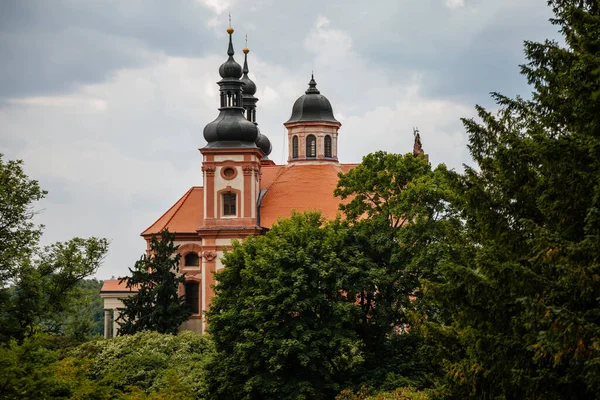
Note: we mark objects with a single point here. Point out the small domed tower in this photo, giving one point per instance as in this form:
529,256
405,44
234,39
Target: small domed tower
312,128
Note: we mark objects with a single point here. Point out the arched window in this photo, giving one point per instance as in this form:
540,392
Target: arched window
192,260
311,146
192,296
328,146
229,203
295,147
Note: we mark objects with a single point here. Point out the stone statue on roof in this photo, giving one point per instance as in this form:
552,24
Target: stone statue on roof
418,146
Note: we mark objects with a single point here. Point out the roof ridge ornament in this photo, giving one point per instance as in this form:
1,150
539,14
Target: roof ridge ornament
417,146
230,69
230,31
246,50
312,85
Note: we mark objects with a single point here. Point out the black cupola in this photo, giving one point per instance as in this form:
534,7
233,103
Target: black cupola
231,128
248,90
312,106
249,101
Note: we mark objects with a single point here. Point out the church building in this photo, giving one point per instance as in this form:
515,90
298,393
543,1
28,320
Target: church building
243,191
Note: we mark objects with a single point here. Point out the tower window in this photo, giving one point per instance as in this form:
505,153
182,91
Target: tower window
295,147
191,260
311,146
229,200
229,172
192,296
328,146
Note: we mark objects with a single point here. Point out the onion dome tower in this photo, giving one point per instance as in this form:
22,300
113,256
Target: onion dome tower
230,128
312,128
231,164
249,103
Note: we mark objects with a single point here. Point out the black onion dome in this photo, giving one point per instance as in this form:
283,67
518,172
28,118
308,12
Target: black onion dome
230,68
312,106
263,143
249,88
231,126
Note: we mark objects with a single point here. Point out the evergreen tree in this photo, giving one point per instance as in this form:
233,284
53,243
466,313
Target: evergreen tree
156,306
525,311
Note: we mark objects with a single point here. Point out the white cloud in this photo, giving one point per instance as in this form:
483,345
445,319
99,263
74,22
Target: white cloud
116,155
218,6
455,3
323,40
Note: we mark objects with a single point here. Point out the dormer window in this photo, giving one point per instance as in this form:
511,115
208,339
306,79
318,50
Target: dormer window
295,147
328,146
311,146
229,204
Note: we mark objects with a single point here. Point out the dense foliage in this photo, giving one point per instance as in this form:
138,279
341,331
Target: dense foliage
147,365
525,311
313,307
399,218
281,319
157,305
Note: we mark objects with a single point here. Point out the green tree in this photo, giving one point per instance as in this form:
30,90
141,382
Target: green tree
84,316
18,234
525,315
400,216
28,371
150,361
282,318
45,287
36,285
156,306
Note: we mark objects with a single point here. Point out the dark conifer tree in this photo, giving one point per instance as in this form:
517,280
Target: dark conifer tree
157,305
526,311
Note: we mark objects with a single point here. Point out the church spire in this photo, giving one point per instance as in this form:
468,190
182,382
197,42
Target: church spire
249,88
231,128
249,100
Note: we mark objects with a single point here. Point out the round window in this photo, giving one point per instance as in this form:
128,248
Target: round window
228,172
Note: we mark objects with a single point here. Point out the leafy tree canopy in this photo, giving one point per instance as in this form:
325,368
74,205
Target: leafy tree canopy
18,234
46,286
282,318
36,284
400,217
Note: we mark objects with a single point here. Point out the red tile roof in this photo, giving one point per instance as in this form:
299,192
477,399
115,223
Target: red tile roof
185,216
113,285
298,186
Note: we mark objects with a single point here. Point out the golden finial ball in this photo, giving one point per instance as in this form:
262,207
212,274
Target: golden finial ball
230,30
246,50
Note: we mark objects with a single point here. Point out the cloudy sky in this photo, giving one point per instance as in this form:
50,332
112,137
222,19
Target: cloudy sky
106,100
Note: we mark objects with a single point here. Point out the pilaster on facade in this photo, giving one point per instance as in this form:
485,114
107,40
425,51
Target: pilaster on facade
231,188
